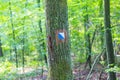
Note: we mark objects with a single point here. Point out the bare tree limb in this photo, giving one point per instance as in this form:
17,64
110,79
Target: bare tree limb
96,60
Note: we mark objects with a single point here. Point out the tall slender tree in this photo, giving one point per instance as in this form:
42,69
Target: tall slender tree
102,38
42,56
108,37
87,37
42,45
23,40
1,52
59,58
101,26
13,33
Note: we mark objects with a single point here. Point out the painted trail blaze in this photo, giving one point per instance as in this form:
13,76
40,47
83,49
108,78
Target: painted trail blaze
61,36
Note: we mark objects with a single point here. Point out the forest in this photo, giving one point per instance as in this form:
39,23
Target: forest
59,40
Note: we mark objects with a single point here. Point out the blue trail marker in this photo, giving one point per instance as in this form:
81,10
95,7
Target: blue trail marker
61,36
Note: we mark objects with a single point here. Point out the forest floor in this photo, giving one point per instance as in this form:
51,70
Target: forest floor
79,74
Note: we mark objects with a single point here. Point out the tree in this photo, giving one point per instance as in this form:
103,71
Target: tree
1,52
41,40
108,37
13,34
59,58
87,37
102,38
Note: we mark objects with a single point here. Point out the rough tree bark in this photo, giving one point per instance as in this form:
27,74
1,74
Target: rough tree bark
59,59
108,37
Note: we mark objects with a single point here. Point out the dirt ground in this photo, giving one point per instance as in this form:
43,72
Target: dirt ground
79,74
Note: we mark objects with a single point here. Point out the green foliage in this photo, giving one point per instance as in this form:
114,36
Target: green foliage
25,17
7,70
114,69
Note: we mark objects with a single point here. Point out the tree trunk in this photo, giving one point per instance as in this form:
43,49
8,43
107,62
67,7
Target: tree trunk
13,33
42,45
102,38
87,39
59,58
108,36
1,52
101,26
